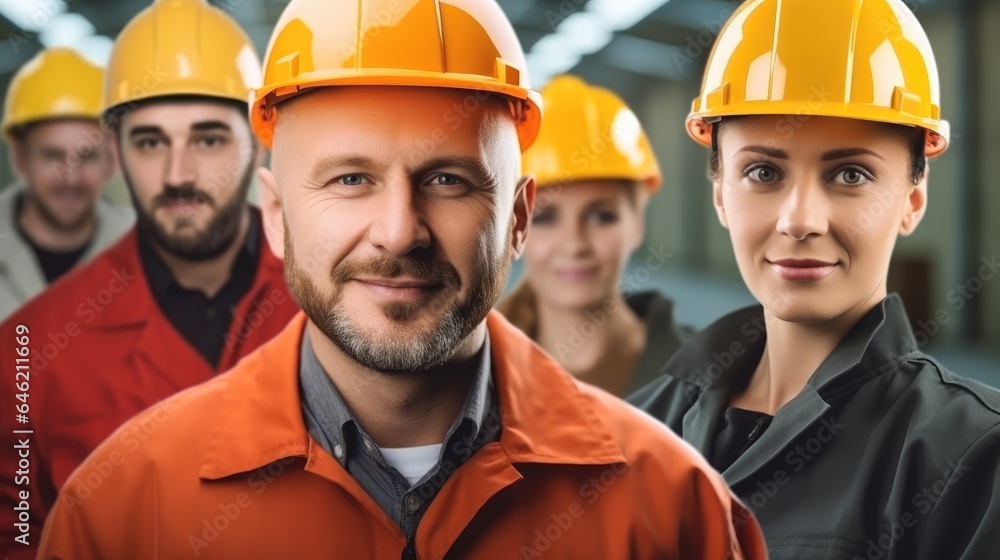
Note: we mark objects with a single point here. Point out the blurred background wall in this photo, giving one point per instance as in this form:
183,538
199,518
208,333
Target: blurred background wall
652,52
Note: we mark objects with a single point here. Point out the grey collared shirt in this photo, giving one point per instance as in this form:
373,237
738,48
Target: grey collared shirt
332,425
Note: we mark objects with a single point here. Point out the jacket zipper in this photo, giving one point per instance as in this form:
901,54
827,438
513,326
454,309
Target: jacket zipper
409,552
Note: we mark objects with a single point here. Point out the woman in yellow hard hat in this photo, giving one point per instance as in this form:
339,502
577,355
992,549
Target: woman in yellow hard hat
818,405
595,171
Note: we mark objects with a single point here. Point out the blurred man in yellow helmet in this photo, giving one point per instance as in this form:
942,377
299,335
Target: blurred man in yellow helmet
185,294
818,406
54,218
595,171
398,417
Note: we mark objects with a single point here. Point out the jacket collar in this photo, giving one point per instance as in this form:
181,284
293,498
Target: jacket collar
135,304
17,261
883,336
877,343
121,263
18,266
112,222
259,419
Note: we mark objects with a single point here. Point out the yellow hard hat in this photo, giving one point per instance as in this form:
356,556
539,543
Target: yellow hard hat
589,134
181,47
463,44
858,59
56,83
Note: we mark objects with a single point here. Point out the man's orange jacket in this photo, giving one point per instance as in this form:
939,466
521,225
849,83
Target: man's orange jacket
100,352
227,470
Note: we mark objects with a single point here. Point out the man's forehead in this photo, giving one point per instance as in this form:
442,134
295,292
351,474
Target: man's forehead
426,122
61,127
448,109
777,127
179,115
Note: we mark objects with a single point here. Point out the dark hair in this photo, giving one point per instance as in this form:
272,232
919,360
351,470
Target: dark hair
113,117
912,135
20,132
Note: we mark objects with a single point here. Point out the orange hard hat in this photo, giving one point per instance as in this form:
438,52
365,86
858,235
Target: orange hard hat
462,44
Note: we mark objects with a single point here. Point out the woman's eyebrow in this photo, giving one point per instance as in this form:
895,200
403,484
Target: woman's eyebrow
848,152
772,152
599,202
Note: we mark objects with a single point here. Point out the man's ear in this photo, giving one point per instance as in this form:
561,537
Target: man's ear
720,208
117,165
270,209
259,154
114,149
19,158
916,207
524,207
109,159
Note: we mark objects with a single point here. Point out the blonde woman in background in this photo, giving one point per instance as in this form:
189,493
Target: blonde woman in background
595,173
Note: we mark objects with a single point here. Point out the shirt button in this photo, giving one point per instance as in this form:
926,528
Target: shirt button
338,452
210,312
412,503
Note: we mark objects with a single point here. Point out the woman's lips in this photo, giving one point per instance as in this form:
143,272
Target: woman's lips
576,274
802,270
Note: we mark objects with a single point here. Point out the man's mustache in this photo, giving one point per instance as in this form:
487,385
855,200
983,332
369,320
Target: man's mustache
429,270
186,193
74,189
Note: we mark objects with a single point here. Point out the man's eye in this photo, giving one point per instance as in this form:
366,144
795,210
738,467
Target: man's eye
446,180
211,141
351,180
148,143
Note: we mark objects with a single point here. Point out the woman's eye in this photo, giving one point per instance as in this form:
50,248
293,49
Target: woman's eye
543,218
763,174
603,217
852,176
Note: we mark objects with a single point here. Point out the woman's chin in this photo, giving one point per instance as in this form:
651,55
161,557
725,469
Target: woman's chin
579,298
805,308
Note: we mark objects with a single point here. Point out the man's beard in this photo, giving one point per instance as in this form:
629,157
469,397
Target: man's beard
220,234
52,219
388,351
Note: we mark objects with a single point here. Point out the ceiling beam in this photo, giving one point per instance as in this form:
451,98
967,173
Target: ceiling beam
649,58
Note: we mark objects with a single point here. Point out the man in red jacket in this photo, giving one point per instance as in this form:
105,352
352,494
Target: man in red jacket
187,293
398,417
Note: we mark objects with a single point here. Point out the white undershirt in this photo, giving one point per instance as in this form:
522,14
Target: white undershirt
412,462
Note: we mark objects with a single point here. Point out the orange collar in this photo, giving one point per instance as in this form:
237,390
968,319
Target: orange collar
546,416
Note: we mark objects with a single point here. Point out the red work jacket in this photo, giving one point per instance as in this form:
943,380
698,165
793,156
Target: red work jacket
227,470
100,352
